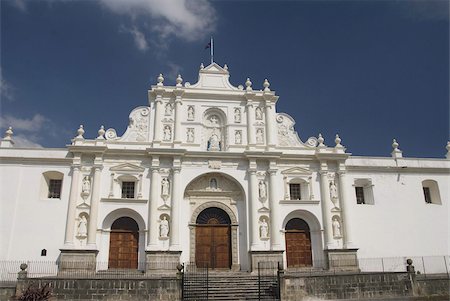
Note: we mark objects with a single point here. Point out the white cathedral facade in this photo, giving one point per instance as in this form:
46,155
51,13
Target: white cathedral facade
211,173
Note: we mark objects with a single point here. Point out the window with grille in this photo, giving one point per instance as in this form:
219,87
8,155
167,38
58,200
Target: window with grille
427,195
128,190
360,195
295,191
54,189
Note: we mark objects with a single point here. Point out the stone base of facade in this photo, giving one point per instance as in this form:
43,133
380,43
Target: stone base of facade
76,260
266,260
162,262
342,259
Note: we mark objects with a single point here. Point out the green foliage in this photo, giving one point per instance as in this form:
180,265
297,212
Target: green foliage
34,293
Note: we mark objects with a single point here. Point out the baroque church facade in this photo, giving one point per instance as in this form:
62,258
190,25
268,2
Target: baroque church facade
211,173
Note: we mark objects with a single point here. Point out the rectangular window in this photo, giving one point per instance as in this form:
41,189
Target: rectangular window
427,195
128,190
295,191
54,189
359,195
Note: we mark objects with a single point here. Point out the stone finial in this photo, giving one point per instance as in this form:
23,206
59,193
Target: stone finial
396,152
101,133
179,80
160,80
80,132
225,67
448,150
338,140
8,134
248,84
266,85
202,66
320,140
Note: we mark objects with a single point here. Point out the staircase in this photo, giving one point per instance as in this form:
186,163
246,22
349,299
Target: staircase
235,286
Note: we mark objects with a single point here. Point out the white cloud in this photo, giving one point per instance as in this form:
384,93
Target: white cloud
19,4
172,71
139,38
34,124
423,10
22,141
6,89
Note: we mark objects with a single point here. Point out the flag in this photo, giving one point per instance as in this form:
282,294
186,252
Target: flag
208,46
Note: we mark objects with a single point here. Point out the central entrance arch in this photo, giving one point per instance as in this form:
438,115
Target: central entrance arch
213,239
123,244
298,243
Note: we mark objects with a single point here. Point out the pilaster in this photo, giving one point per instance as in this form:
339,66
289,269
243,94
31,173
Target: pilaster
275,216
176,200
326,205
346,212
158,117
153,205
178,104
250,121
72,207
95,200
253,205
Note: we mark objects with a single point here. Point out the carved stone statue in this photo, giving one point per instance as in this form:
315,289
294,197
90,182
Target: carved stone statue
237,115
82,227
167,133
164,228
336,228
238,137
258,113
262,190
165,187
190,135
214,142
213,183
191,113
264,229
86,186
259,136
168,111
333,191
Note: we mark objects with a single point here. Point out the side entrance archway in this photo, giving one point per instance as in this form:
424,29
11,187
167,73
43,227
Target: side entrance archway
298,243
123,244
213,239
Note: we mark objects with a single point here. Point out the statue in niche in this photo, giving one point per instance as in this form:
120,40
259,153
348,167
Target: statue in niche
214,120
167,133
190,135
259,136
191,113
213,183
336,228
262,190
164,228
258,113
82,227
168,111
237,115
264,229
214,142
86,186
238,137
165,187
333,191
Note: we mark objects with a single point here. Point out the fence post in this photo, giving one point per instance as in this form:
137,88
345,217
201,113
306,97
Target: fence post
424,271
446,268
259,281
382,264
207,281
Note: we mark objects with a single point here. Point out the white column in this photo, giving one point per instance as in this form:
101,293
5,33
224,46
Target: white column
153,205
72,208
157,124
175,218
345,210
253,204
178,117
250,122
275,225
270,124
326,208
95,200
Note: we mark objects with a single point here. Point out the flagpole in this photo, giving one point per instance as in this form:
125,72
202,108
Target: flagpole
212,50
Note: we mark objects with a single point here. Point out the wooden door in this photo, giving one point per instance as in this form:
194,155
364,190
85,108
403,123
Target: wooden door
298,249
213,246
123,245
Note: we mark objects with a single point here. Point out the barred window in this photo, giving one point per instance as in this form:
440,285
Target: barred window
54,189
427,195
360,195
128,190
295,191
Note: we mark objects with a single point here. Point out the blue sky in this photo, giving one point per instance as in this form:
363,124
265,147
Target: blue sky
368,70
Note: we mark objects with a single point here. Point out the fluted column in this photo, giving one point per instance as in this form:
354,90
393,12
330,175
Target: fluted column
175,218
270,123
275,228
153,205
250,123
345,210
72,207
178,117
95,200
326,207
157,124
253,204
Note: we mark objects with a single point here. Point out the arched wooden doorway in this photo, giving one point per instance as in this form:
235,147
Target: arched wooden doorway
213,239
298,243
123,244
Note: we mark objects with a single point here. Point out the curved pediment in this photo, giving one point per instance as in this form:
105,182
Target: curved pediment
213,184
138,127
214,77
